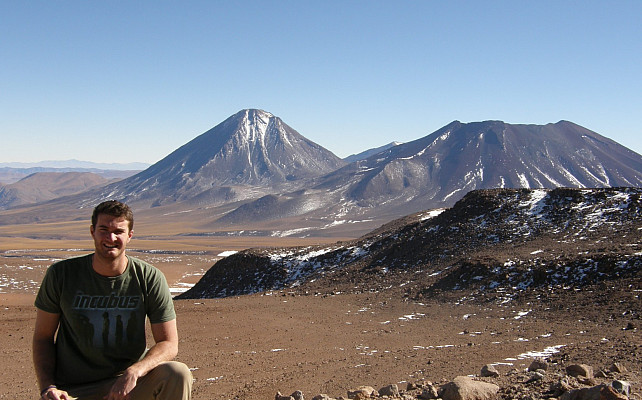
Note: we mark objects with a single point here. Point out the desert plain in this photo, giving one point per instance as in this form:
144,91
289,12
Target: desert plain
250,347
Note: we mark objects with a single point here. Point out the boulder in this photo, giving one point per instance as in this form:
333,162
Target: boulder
538,363
464,388
390,390
322,397
279,396
600,392
429,391
618,367
362,392
622,387
489,371
580,370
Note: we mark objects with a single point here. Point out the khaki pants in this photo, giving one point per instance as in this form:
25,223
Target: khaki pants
168,381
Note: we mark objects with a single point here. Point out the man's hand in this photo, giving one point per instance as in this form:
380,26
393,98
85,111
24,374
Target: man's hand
55,394
166,346
123,386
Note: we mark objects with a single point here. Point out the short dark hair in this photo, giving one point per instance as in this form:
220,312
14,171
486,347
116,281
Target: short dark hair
114,208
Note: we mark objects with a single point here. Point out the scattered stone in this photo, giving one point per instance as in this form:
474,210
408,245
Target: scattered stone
560,387
601,374
600,392
279,396
362,392
390,390
538,364
535,376
429,392
622,387
464,388
577,384
618,367
322,397
580,370
489,371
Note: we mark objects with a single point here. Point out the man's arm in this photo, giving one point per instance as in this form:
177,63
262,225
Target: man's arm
44,350
165,349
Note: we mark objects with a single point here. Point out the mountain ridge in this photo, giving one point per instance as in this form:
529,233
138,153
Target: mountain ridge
437,170
253,170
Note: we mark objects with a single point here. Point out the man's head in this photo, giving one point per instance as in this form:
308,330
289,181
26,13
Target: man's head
113,208
111,228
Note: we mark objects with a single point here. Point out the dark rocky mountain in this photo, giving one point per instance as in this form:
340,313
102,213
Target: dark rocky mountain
370,152
492,245
439,169
43,186
251,152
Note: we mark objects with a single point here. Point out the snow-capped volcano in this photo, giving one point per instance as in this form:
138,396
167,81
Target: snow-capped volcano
250,148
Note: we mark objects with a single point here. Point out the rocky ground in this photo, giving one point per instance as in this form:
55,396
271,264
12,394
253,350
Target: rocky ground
252,347
501,280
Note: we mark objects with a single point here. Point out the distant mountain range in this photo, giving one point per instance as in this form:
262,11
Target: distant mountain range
253,170
13,172
76,164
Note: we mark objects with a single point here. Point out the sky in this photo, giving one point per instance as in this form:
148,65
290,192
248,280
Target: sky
131,81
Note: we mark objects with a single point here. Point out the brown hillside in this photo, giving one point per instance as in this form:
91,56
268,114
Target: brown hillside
43,186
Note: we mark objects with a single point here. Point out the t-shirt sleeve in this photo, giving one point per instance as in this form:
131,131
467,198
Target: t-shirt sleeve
48,297
160,306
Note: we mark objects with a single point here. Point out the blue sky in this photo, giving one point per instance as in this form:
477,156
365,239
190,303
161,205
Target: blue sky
125,81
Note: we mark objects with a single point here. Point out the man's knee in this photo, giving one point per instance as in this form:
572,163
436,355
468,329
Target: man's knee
170,380
173,370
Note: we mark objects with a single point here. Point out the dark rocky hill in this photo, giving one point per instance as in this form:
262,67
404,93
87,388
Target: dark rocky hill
493,245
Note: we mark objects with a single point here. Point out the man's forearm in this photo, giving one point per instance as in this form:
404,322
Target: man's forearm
162,351
159,353
44,362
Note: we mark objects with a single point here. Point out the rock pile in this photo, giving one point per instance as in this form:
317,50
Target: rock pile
541,380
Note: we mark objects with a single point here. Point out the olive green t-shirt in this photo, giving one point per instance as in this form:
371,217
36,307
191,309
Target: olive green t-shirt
102,319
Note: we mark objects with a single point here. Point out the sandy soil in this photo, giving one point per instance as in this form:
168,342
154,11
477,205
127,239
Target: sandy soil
253,346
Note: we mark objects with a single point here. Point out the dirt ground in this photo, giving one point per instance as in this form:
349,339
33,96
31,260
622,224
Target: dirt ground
253,346
250,347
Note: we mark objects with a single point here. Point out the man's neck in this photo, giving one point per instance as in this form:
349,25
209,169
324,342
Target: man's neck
109,267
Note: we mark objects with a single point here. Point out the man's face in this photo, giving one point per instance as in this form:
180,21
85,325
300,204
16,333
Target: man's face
111,236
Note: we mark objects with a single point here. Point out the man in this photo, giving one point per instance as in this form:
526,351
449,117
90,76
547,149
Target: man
98,304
